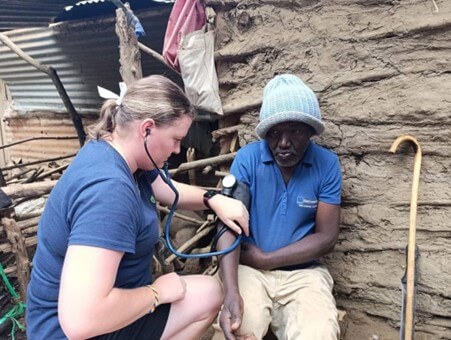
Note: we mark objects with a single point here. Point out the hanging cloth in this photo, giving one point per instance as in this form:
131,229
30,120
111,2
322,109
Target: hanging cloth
186,16
197,64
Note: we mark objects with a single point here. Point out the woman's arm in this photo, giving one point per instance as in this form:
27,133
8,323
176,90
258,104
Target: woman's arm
89,305
231,211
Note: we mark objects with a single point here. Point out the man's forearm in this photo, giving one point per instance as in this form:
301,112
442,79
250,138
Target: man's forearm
228,263
308,249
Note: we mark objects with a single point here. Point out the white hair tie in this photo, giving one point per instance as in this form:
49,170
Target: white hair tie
107,94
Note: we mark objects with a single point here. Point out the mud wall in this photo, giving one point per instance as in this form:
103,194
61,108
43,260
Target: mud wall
380,69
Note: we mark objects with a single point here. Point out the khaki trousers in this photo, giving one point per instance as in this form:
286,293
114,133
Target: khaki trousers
297,305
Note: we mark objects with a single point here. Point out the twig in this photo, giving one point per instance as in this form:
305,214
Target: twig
35,138
156,56
36,162
50,172
435,6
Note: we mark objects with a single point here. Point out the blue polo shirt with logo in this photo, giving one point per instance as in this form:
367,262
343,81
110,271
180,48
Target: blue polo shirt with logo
283,214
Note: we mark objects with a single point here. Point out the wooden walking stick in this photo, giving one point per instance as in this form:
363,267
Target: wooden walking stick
407,328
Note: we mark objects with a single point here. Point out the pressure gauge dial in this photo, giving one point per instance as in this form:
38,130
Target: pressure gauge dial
228,185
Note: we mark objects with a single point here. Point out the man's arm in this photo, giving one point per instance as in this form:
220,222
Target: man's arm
311,247
232,310
231,211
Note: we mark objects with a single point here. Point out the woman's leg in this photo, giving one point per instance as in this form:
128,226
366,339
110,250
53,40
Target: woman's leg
190,317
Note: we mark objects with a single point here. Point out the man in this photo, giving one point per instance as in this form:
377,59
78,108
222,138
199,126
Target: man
275,279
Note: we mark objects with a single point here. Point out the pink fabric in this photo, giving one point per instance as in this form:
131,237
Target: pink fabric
186,16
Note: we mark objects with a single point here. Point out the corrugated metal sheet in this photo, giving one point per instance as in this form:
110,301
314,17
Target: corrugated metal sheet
85,54
16,14
41,125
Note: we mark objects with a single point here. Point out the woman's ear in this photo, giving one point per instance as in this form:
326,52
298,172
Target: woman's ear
146,127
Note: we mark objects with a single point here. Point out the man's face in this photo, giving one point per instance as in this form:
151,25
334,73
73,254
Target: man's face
288,142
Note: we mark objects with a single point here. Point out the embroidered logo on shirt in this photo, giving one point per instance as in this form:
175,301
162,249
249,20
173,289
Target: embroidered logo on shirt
306,203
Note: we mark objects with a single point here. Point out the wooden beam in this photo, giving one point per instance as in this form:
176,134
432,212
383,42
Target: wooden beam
130,57
29,189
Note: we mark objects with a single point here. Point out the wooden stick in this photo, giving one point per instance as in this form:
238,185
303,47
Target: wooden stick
51,172
158,57
29,189
18,175
19,249
239,108
191,157
36,162
203,162
29,241
191,241
409,326
221,173
226,131
181,216
36,138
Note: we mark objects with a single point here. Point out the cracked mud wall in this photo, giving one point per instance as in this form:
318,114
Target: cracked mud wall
380,69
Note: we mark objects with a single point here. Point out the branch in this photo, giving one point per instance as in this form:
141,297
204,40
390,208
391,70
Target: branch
203,162
34,138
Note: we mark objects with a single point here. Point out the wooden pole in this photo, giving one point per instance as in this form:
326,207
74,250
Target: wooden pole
17,241
130,57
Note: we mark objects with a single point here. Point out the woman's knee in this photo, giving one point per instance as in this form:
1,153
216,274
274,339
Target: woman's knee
215,294
207,295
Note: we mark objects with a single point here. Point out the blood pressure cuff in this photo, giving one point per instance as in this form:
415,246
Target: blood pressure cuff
242,193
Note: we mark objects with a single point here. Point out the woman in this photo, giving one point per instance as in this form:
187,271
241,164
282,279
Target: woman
91,273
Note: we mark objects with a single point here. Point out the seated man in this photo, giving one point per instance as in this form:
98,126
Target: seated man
275,279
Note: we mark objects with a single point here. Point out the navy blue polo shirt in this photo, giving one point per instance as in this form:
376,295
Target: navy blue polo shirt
283,214
95,203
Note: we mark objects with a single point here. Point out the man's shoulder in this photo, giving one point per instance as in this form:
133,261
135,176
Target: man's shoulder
251,147
250,150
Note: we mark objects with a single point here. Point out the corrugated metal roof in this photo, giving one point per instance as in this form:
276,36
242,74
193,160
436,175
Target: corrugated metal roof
85,54
16,14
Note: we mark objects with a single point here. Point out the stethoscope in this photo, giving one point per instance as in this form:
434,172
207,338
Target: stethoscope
164,174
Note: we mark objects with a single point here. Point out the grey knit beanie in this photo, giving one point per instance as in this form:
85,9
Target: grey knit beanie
286,98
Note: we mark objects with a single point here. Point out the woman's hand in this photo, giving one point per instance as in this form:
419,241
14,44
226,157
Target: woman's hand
232,212
171,287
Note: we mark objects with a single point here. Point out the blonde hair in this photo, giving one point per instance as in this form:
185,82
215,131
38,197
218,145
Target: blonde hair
154,97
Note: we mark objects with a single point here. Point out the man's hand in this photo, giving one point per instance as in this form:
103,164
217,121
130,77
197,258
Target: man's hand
231,315
253,256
